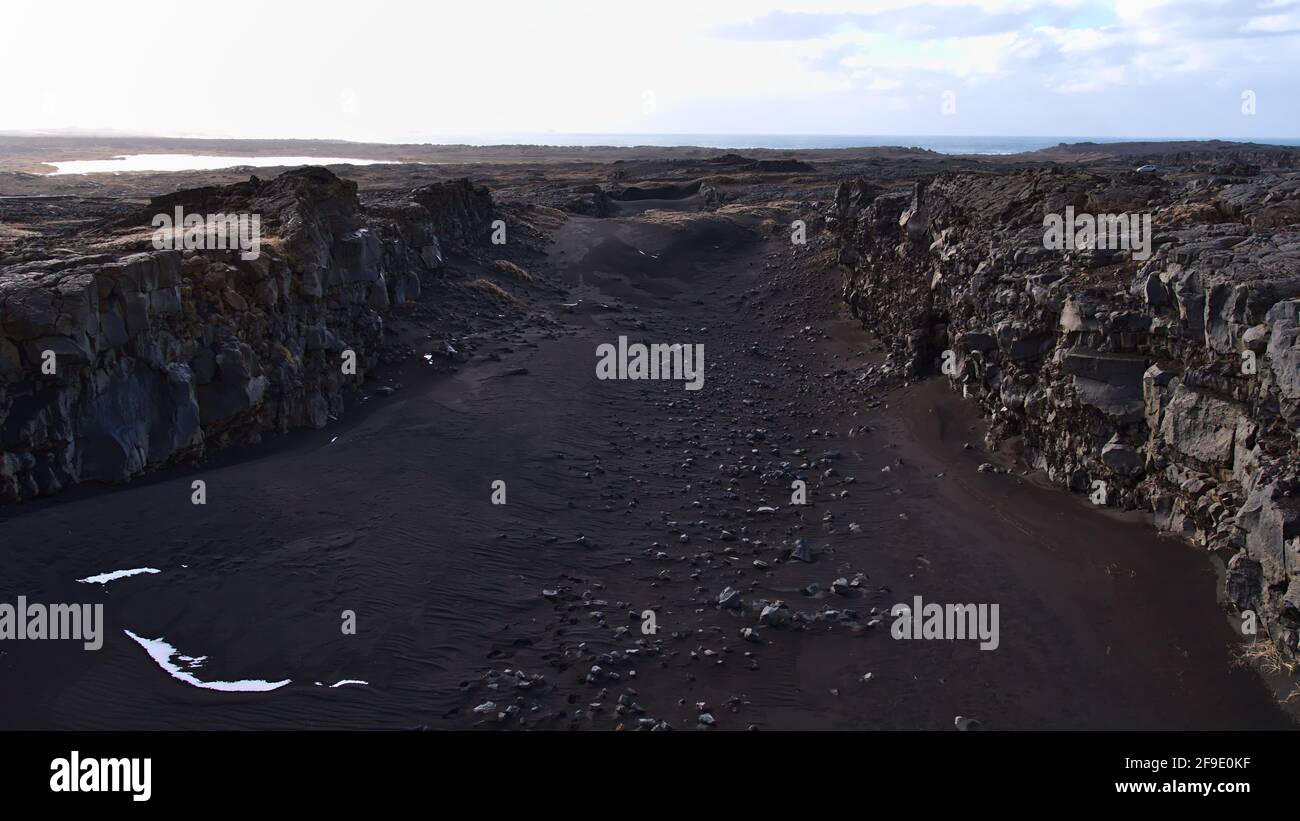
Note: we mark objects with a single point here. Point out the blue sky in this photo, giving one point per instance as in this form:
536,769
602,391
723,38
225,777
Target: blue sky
403,70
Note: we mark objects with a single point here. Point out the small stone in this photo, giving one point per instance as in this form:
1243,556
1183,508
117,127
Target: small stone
964,724
774,615
729,598
801,551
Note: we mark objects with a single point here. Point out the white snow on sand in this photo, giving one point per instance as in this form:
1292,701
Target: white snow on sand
114,575
163,653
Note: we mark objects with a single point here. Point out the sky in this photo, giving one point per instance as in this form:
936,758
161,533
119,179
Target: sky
425,69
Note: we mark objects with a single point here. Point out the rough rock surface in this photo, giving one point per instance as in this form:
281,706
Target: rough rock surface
1174,381
162,355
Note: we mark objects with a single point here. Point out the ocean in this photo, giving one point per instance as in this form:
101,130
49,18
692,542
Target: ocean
941,144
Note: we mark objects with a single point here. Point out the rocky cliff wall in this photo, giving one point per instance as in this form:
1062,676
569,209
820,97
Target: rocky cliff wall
122,358
1170,384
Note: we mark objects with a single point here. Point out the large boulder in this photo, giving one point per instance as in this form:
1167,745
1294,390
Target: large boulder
1201,427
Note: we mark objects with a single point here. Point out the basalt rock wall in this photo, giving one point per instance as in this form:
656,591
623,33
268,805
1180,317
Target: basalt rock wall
1169,384
116,362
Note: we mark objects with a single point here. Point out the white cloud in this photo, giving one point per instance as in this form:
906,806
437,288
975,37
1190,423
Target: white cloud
1274,23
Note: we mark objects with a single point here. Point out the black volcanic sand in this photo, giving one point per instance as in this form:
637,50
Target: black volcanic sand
389,514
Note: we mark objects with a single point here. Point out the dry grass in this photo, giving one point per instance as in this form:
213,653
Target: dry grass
544,218
1264,654
510,269
491,289
776,209
678,219
13,232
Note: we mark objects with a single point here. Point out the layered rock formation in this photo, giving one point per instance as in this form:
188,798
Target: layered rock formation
121,358
1170,384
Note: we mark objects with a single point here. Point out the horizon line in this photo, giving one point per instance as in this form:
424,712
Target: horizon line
109,134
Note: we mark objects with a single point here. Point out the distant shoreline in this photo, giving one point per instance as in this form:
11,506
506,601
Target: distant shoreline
37,154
